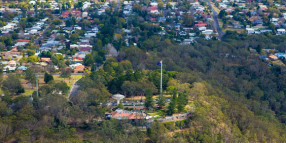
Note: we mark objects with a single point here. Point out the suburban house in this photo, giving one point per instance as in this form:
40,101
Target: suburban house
74,65
280,55
121,114
153,10
281,31
10,66
79,69
75,13
21,42
47,60
21,69
273,57
12,63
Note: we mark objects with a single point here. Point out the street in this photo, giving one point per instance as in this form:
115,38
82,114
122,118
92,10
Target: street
215,19
74,89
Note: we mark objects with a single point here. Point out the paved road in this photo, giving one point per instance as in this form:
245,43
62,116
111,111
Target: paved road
42,34
215,18
118,5
73,90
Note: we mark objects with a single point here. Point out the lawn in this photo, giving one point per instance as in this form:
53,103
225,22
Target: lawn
232,29
70,81
29,89
278,62
156,113
137,98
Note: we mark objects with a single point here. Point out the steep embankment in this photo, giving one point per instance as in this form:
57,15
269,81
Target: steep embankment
218,118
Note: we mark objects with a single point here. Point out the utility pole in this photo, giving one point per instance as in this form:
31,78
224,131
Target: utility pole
161,81
37,83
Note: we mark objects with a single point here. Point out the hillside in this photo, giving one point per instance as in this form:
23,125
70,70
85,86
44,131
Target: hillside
223,81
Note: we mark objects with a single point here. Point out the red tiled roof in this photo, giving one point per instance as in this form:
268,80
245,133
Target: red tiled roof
14,50
152,8
126,115
23,40
46,59
79,58
79,68
75,13
200,25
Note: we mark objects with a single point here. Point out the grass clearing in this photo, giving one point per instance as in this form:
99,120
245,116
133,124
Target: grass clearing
157,113
232,29
29,89
136,98
217,10
278,62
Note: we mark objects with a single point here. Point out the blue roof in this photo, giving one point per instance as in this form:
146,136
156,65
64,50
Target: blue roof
22,68
262,57
280,55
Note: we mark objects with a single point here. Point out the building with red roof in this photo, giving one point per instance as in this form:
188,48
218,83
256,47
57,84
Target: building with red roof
153,9
79,68
14,49
75,13
23,40
78,58
201,25
46,60
121,114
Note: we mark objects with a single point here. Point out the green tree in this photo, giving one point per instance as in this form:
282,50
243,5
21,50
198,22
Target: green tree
30,52
12,84
1,75
182,102
172,105
57,21
149,99
222,14
120,105
88,60
66,72
48,77
74,38
30,76
156,132
68,62
161,101
188,20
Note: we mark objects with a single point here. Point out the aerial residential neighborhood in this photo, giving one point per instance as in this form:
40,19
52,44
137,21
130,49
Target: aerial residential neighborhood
72,32
146,71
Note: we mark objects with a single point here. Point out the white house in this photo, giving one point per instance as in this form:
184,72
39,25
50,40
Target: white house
84,14
86,5
73,66
281,31
207,32
90,34
33,31
250,30
202,28
153,3
9,68
32,2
